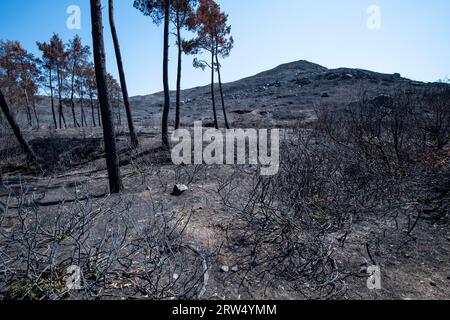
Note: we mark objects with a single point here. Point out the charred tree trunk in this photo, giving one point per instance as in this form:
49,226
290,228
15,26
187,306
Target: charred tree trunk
99,116
227,125
180,52
166,110
72,95
119,106
112,161
35,114
27,100
123,82
27,103
12,122
52,99
83,114
62,119
91,100
213,96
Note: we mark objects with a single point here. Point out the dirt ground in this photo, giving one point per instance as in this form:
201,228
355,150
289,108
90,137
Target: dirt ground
418,269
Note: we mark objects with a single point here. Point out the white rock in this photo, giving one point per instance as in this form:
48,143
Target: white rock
225,269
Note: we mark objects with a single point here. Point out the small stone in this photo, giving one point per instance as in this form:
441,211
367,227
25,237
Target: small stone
235,269
348,76
175,276
225,269
363,268
433,284
179,189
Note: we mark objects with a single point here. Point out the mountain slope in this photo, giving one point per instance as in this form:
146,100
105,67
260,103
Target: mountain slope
277,97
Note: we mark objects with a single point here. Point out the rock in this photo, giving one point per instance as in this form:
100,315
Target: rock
179,189
175,276
448,239
433,284
225,269
235,269
347,76
363,268
448,277
325,95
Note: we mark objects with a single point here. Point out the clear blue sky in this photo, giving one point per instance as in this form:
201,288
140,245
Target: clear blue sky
414,39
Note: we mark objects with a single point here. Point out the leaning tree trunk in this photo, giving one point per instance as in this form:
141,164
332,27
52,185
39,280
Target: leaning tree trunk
123,82
221,93
213,96
166,110
12,122
112,161
180,52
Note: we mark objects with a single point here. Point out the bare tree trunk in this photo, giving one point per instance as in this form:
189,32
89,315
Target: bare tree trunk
213,97
35,114
99,117
166,110
221,93
123,82
92,109
119,106
52,99
27,103
60,110
83,115
72,102
112,161
180,52
27,100
12,122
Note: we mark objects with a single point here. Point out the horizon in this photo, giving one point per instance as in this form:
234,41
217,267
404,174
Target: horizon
410,40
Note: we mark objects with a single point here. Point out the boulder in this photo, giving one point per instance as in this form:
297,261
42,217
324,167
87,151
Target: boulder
179,189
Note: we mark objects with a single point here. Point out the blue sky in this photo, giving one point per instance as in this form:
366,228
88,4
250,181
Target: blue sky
414,39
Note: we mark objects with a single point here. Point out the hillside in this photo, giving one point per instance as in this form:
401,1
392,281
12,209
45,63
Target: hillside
279,96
